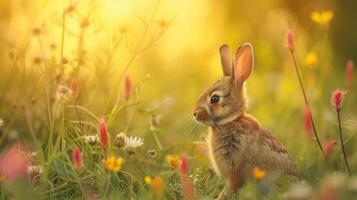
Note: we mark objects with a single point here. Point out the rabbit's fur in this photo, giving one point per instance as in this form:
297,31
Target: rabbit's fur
236,140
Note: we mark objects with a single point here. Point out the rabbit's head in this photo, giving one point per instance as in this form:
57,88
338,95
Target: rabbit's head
224,100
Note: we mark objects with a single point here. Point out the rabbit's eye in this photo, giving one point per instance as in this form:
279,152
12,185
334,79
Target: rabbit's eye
214,99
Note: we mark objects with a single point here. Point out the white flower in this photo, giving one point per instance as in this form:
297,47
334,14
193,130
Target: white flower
91,139
120,139
34,170
133,142
63,93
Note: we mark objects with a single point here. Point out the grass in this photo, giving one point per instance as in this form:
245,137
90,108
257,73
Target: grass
43,112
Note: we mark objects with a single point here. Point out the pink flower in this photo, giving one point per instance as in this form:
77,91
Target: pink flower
103,133
14,163
328,147
77,158
337,98
127,87
349,73
290,40
188,190
308,121
74,88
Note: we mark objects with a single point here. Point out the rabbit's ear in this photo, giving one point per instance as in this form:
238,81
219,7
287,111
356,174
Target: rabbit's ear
243,63
226,61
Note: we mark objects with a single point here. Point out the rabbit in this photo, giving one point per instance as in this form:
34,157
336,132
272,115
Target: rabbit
237,142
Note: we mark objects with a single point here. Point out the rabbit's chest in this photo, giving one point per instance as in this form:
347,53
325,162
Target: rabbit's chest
230,149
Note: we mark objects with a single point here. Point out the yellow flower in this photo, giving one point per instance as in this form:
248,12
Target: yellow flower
258,173
156,184
322,18
147,180
311,59
174,161
113,164
2,178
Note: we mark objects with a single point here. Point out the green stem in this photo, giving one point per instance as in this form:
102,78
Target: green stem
306,101
342,144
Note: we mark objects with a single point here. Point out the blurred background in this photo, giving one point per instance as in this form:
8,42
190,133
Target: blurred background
169,49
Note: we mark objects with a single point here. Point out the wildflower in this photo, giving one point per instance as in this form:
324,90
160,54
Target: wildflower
34,170
77,158
123,29
36,31
258,173
307,121
2,178
119,140
337,98
311,59
328,147
74,88
156,184
103,133
322,18
163,24
349,73
71,7
85,23
63,93
127,87
188,190
113,164
133,142
174,161
14,162
91,139
290,40
152,153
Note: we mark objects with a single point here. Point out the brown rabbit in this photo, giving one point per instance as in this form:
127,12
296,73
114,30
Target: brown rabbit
237,142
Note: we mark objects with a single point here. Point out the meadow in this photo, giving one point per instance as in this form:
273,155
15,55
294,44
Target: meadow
96,97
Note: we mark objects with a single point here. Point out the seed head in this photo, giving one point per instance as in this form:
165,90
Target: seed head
290,40
337,98
103,133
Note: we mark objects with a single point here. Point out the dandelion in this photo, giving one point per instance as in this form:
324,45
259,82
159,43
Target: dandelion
349,73
156,184
322,18
74,88
103,133
63,93
328,147
34,170
119,140
91,139
258,173
311,60
174,161
127,87
77,158
336,101
290,40
113,164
